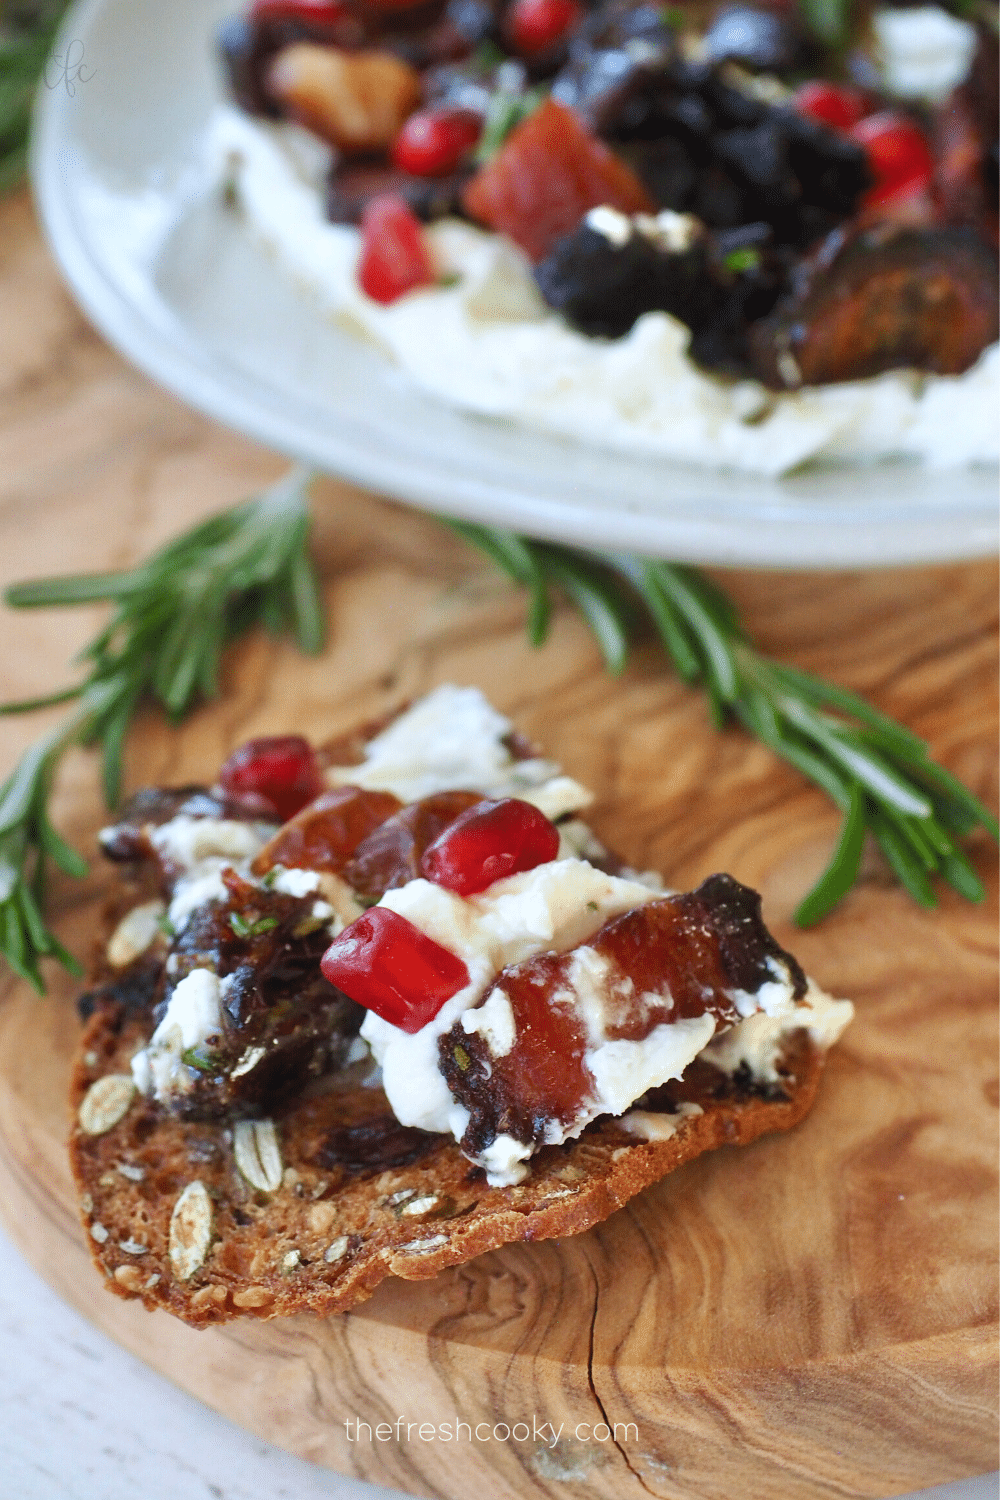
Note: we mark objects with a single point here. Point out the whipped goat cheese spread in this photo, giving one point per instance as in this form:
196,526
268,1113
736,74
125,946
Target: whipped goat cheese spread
487,343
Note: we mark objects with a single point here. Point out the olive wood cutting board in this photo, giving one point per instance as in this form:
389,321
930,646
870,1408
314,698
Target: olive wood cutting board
811,1316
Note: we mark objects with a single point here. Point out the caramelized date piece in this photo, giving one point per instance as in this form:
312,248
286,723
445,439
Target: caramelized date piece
324,835
373,1145
881,299
669,960
390,856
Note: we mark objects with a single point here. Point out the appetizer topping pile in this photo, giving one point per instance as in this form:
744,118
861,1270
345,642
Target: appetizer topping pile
689,161
514,982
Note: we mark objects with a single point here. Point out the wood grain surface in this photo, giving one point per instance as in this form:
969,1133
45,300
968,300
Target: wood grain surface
812,1316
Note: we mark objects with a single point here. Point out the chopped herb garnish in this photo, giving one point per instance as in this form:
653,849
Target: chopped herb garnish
742,260
461,1057
166,926
195,1058
245,929
506,109
308,925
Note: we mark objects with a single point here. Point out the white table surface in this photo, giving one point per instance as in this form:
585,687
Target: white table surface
82,1420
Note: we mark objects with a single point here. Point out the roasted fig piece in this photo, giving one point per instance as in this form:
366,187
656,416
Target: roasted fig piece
667,169
613,269
753,271
880,299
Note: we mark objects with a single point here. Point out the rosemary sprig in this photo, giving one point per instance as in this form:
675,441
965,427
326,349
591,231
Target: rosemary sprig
172,617
174,614
878,773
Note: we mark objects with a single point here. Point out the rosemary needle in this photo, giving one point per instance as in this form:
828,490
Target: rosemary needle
171,620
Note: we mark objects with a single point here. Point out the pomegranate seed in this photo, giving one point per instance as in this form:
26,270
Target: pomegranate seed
489,842
310,12
433,141
833,104
386,964
898,155
280,768
394,258
533,25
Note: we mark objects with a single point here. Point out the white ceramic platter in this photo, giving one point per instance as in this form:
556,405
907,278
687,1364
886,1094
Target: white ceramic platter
174,280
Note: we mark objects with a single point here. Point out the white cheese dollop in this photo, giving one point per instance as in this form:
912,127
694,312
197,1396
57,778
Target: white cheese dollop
192,1016
924,52
295,882
758,1040
187,841
452,738
201,848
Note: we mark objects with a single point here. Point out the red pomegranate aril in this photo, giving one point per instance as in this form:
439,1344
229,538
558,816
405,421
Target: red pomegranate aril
282,769
534,25
489,842
394,258
309,12
898,154
384,963
434,141
833,104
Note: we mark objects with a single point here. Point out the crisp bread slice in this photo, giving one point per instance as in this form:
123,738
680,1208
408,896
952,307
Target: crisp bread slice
354,1196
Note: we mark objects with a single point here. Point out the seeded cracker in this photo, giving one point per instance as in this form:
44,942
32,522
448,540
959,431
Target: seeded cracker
332,1230
311,1207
